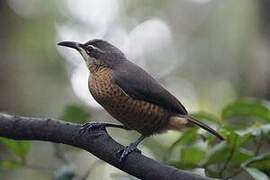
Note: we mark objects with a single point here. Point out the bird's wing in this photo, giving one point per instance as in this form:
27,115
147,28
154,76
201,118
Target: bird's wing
138,84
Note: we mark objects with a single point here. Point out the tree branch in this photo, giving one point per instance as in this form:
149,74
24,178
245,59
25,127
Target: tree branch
98,142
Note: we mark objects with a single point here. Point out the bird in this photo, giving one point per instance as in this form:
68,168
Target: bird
130,95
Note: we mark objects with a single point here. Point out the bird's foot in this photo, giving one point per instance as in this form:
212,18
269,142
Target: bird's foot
92,126
127,150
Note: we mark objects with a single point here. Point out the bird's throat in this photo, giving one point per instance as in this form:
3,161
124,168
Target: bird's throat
88,60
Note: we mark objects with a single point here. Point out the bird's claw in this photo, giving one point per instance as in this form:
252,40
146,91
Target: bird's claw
91,127
126,151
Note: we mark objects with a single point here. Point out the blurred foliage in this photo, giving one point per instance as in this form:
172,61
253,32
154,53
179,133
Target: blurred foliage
245,111
261,163
245,150
19,151
18,148
76,114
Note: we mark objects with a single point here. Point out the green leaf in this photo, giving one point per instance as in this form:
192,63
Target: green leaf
234,138
212,171
217,154
75,114
247,109
222,156
256,174
187,138
19,148
191,157
220,153
261,162
240,156
238,140
227,153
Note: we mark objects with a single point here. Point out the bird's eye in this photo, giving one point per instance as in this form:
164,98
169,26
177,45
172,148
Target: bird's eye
91,48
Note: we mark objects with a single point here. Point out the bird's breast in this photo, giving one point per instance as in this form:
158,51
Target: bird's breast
142,116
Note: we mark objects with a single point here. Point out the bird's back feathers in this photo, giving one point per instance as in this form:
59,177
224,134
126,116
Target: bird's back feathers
138,84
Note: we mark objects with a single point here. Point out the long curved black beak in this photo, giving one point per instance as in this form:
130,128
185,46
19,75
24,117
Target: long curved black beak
71,44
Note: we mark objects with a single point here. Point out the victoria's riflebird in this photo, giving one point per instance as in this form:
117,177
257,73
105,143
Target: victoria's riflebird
130,94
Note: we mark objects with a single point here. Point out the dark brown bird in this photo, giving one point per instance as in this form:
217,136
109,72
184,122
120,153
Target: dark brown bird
130,94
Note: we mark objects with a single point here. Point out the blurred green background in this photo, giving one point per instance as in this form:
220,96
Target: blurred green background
214,56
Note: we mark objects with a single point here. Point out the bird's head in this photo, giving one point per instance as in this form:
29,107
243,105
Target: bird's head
97,52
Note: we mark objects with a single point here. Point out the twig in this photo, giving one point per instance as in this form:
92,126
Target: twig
222,171
260,143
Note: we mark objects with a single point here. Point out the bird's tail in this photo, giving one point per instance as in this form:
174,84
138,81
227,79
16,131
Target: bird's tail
204,126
